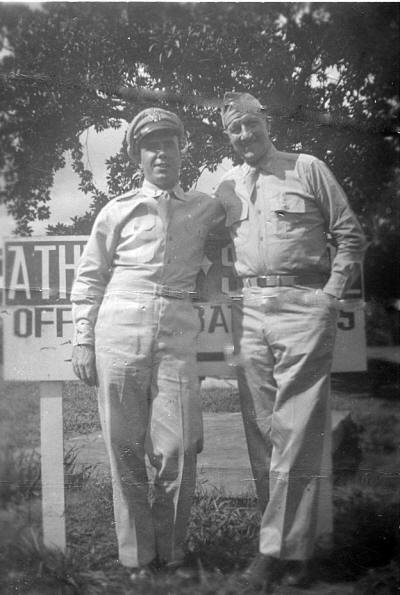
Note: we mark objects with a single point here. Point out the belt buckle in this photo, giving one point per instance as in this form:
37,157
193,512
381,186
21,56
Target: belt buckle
164,292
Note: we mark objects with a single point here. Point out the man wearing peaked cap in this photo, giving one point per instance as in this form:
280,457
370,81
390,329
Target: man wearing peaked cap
280,209
135,334
148,121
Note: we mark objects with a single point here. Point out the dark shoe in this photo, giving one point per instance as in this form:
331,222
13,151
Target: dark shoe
261,573
297,574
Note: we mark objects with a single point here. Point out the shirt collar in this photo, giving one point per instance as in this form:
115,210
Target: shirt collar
267,165
153,191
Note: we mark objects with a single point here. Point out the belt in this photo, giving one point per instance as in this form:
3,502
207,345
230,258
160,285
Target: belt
177,294
270,281
149,289
310,280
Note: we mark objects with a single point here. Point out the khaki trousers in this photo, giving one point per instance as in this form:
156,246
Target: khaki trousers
149,405
284,340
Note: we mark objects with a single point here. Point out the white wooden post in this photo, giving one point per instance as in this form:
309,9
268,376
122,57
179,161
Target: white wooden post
52,464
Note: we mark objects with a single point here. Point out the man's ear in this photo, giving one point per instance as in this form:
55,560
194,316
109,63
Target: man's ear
134,155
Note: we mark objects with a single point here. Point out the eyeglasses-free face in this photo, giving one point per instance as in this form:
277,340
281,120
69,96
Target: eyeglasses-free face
249,137
160,157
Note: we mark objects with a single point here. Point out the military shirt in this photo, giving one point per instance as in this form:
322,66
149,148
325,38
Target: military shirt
281,216
134,241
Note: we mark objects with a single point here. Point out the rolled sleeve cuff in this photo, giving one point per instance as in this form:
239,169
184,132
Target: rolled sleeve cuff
336,286
341,280
83,334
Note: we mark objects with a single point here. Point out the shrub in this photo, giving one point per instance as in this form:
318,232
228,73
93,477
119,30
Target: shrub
20,473
381,581
49,571
381,433
76,474
366,531
223,530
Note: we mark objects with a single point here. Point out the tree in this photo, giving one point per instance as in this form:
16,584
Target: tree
306,61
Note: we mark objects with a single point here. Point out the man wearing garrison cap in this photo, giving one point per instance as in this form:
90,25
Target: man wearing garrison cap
135,332
281,207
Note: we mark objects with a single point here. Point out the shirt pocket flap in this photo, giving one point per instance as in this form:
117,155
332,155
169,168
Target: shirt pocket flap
287,203
145,222
238,211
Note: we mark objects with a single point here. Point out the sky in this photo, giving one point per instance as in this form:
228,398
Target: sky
67,200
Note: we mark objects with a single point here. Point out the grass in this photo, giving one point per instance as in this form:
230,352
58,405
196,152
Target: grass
223,530
379,418
222,537
20,416
80,406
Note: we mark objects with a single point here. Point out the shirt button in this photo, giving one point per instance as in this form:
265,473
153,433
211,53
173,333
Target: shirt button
169,238
261,238
259,211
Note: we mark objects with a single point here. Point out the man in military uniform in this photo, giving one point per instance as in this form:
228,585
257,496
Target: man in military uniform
280,209
135,333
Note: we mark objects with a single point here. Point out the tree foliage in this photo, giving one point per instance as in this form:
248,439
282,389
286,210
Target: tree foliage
301,58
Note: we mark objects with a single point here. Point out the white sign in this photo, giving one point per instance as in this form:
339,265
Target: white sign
38,276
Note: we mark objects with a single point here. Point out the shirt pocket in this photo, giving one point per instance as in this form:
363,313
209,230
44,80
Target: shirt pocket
289,214
139,239
145,223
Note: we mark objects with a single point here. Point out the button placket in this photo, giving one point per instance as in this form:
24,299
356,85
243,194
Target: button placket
164,204
265,219
164,211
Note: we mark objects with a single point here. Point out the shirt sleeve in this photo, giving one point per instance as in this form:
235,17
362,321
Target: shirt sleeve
347,236
218,235
229,200
92,278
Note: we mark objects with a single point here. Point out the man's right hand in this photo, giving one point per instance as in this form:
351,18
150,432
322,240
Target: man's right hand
84,364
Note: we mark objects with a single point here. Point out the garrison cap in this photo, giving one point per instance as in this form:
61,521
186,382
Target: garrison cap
236,104
150,120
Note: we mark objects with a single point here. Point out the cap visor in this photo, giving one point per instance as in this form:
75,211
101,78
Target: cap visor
154,126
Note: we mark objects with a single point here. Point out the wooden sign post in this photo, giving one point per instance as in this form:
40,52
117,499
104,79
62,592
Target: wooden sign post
52,465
